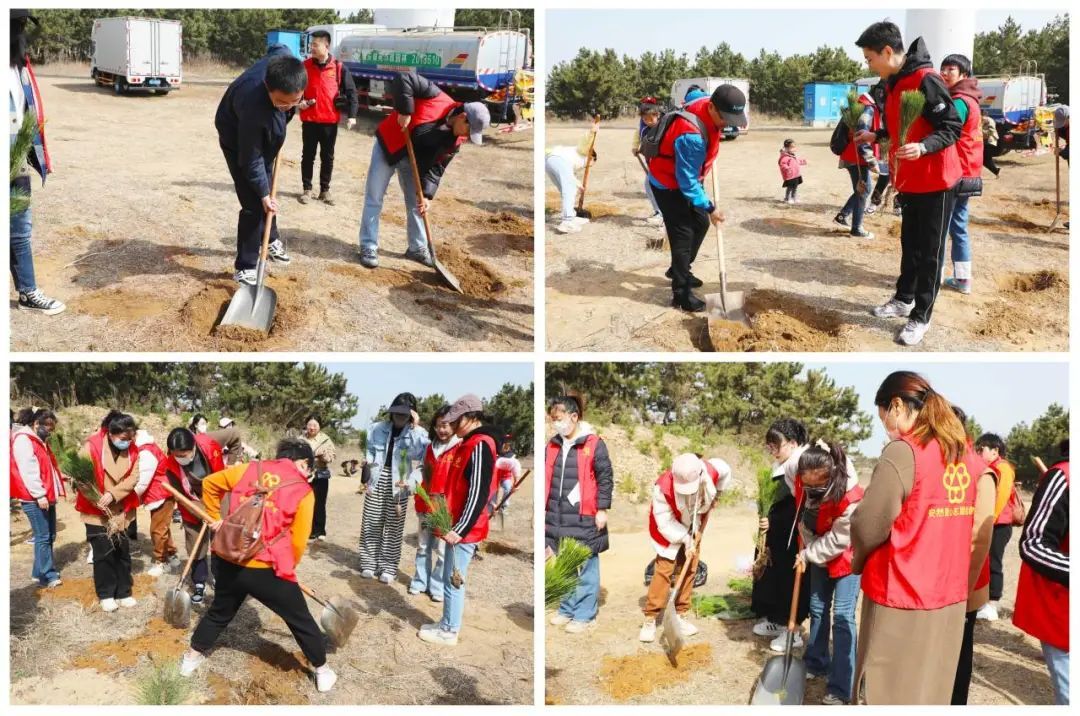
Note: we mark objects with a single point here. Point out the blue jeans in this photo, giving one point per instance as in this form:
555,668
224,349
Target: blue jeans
22,256
651,197
856,203
459,556
958,231
380,172
43,523
562,176
1057,662
584,603
832,599
429,564
506,486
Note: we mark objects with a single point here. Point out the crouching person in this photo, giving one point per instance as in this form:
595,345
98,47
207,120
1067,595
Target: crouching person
681,500
270,575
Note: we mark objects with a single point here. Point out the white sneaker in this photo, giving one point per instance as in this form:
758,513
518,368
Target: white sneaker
246,277
128,602
90,557
648,631
688,629
912,333
576,627
175,562
434,626
322,538
438,636
831,699
413,591
580,220
385,578
569,226
656,219
988,612
768,628
325,678
893,309
367,574
156,570
558,619
54,584
779,644
109,605
191,661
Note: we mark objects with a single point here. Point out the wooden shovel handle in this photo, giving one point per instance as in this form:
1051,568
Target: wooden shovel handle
419,189
269,223
187,504
795,596
686,565
191,557
1039,464
588,163
513,489
308,591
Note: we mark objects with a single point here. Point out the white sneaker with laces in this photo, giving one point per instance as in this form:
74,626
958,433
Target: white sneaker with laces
439,636
367,574
276,252
385,578
246,277
325,678
576,627
109,605
128,602
648,631
912,333
779,644
434,626
831,699
988,612
580,220
688,629
567,227
558,619
893,309
156,570
191,661
656,219
768,628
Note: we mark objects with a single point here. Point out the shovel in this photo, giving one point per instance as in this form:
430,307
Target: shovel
580,209
177,600
443,272
253,306
338,619
783,680
505,498
1057,184
671,636
726,304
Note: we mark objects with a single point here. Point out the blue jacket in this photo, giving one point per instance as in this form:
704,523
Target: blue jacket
410,444
689,158
249,126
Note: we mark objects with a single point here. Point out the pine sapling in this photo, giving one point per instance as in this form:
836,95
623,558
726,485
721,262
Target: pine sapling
767,489
438,520
24,140
83,479
912,103
563,572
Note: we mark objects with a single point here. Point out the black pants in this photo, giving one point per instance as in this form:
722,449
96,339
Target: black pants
924,230
321,487
962,681
322,137
235,584
879,187
112,561
1002,535
989,152
249,226
686,228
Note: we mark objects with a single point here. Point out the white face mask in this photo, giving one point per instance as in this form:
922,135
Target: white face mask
185,461
564,427
201,427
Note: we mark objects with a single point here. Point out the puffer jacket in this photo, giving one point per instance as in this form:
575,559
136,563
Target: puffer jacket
562,517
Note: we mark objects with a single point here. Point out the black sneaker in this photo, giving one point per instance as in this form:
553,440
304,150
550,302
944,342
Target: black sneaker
840,219
695,282
199,594
687,301
37,301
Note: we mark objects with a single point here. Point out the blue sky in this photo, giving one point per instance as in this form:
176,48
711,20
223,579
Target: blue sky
998,395
789,32
376,384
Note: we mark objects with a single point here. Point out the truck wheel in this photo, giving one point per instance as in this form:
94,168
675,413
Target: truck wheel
118,87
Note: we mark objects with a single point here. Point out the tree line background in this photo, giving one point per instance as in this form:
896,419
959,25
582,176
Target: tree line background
736,402
231,36
601,82
276,397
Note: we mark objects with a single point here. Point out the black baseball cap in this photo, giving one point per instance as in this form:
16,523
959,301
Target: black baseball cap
23,15
730,102
402,404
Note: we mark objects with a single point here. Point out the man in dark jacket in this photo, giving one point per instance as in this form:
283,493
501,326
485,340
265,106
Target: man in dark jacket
250,121
580,483
438,126
327,80
925,171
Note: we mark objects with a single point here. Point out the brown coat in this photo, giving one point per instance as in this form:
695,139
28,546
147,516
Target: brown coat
115,483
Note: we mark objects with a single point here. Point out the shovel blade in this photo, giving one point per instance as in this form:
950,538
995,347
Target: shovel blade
728,306
671,636
583,213
444,273
178,608
252,307
338,620
781,683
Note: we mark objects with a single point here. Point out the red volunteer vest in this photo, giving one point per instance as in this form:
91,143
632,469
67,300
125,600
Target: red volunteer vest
155,491
1042,605
969,148
924,564
667,488
984,574
457,487
323,86
929,173
586,476
440,467
50,470
849,154
170,470
291,488
662,166
96,444
828,512
425,111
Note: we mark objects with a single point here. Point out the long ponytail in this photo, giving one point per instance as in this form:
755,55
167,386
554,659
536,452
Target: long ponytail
935,420
831,458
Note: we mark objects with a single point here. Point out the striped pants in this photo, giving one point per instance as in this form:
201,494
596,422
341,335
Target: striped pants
382,527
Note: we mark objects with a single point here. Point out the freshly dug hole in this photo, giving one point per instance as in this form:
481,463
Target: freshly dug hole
625,677
204,311
778,322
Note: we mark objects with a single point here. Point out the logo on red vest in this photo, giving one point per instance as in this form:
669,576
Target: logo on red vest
956,480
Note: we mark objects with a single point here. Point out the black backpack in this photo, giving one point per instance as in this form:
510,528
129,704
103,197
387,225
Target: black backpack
650,141
840,139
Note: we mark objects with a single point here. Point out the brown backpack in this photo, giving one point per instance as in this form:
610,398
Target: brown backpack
239,539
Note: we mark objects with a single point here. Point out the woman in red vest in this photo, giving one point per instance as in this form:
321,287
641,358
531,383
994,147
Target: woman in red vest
579,485
36,483
115,457
1042,594
430,550
914,538
1008,511
925,172
827,492
469,487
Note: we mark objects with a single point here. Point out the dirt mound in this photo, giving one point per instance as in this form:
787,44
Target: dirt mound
203,312
599,209
81,590
625,677
506,222
276,677
1031,282
159,642
777,323
1019,221
477,278
132,304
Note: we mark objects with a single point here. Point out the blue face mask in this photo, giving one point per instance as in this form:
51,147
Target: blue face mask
121,444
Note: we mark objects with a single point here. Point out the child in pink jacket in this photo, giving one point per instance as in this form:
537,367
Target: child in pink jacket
790,171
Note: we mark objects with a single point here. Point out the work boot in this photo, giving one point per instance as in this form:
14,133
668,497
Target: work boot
695,282
306,196
687,301
326,198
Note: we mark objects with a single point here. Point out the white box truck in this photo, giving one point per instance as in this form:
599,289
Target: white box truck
679,88
136,54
